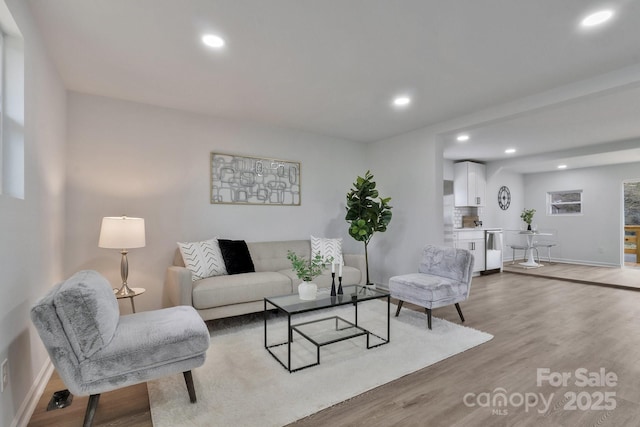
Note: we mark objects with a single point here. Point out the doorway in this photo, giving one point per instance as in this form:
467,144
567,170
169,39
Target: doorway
631,250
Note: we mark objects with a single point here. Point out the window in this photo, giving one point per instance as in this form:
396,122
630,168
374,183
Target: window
1,109
564,202
12,168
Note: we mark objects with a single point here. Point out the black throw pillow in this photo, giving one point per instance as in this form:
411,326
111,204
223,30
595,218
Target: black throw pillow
236,256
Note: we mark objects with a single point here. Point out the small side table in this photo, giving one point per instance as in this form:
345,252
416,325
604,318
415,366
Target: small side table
136,292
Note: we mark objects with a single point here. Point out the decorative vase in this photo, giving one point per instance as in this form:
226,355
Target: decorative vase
307,290
528,227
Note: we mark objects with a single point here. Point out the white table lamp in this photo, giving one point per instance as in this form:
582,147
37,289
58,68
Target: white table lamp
122,232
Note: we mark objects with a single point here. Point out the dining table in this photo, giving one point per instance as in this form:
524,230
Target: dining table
531,234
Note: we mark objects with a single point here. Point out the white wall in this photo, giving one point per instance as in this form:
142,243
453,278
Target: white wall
31,229
493,216
595,237
407,168
139,160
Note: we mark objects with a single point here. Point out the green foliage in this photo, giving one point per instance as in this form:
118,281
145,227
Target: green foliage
308,269
527,215
366,215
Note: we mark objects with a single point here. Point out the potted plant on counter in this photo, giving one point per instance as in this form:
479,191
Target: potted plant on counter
527,216
307,270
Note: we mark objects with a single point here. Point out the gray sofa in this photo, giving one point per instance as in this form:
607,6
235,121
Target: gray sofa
231,295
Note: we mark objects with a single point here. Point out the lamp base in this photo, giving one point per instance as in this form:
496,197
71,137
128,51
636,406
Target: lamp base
125,291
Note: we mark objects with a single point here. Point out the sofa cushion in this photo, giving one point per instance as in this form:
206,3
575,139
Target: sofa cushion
204,259
327,248
239,288
350,276
272,256
88,311
236,256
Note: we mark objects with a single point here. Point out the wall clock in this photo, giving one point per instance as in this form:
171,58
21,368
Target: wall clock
504,198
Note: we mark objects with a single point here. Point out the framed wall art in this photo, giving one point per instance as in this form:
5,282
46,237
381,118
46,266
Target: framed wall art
244,180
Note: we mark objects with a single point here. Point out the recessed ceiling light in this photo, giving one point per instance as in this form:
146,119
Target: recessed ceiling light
510,150
597,18
212,40
562,166
401,101
462,137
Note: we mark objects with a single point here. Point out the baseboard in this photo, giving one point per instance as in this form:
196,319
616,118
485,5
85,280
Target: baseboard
381,286
508,261
579,262
29,403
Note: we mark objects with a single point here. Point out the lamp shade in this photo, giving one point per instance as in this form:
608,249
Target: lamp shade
121,232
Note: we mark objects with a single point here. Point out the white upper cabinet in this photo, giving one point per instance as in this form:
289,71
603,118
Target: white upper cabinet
469,184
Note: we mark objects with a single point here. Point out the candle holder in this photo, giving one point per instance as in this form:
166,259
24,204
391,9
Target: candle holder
339,285
333,284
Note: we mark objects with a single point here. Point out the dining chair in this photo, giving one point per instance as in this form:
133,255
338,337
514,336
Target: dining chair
546,240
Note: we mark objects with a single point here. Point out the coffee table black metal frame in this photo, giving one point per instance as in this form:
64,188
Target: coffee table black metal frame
292,305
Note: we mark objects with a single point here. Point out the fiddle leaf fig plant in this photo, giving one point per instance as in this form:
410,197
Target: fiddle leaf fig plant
367,212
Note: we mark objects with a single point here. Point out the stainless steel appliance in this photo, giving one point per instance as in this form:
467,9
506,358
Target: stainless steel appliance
493,250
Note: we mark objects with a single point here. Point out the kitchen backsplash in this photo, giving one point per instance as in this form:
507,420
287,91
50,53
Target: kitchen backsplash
459,212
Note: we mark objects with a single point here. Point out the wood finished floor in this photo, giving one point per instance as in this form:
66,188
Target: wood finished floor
625,278
537,322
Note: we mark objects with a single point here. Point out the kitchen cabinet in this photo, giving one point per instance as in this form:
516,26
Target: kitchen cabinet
469,184
474,241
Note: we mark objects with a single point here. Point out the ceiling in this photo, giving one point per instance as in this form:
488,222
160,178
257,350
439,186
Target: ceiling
332,67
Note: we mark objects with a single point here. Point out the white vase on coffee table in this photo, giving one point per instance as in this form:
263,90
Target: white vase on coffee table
307,290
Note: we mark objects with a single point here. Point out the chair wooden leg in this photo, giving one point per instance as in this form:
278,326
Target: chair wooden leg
459,312
428,310
188,378
400,302
92,405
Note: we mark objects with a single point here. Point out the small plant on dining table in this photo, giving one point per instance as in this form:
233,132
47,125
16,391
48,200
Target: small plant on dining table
305,269
527,215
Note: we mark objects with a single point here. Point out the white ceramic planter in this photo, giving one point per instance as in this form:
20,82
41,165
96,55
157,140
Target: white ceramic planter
307,290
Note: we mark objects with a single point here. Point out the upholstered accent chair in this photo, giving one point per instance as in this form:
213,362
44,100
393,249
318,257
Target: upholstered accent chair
443,278
96,350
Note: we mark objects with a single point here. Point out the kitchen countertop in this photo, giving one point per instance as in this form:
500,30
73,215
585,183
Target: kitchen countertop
478,229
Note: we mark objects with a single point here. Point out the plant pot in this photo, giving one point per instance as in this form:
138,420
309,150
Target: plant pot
528,227
307,290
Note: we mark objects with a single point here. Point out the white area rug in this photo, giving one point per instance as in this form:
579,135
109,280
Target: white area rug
241,384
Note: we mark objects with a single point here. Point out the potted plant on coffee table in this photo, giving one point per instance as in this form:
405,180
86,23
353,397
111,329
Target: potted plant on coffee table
307,270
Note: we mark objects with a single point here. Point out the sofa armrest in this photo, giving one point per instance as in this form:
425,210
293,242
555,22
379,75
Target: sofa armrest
179,285
357,261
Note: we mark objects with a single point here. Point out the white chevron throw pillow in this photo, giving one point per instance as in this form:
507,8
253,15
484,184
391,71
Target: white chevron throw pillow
204,259
327,247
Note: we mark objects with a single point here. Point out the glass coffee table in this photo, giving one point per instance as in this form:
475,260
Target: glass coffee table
327,330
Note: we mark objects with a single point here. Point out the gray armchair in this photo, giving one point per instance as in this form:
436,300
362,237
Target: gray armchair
96,350
443,278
